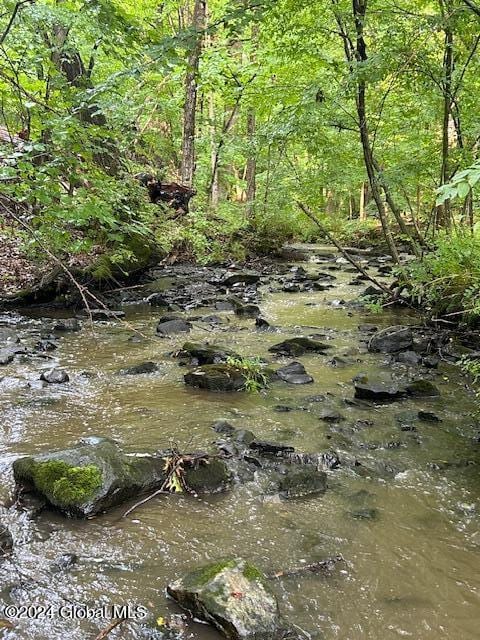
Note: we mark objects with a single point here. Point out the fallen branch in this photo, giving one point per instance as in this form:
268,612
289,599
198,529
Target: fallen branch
104,633
344,253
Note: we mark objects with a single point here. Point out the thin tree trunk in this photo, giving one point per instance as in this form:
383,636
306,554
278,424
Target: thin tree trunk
443,210
191,90
214,186
362,212
251,171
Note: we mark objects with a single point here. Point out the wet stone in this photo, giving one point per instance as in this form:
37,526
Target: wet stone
211,593
422,389
55,376
67,325
391,340
428,416
224,427
409,358
378,391
298,346
294,373
139,369
6,540
173,326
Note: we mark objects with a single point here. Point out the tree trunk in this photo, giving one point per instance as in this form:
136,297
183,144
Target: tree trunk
191,87
362,212
214,186
251,171
443,210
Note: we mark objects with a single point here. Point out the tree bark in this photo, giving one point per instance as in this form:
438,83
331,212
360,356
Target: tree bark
443,210
191,90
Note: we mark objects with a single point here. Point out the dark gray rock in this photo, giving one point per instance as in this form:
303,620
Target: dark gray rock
294,373
206,354
63,562
330,415
69,324
428,416
55,376
298,346
366,513
378,391
140,368
173,326
233,596
224,427
247,311
6,356
422,389
216,377
391,340
301,481
6,540
247,277
244,436
409,358
270,448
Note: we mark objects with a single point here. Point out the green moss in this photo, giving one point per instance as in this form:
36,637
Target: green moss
203,575
251,572
65,484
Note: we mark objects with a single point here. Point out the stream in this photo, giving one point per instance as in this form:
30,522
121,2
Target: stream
406,520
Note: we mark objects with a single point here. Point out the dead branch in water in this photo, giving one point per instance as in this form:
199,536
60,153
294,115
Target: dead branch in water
104,633
343,251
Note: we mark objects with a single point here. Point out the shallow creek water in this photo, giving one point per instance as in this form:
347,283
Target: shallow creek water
412,571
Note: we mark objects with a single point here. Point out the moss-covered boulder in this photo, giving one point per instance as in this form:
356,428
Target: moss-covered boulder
233,596
216,377
298,346
422,389
96,475
206,353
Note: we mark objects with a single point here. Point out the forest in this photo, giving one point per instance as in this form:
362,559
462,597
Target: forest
239,319
365,113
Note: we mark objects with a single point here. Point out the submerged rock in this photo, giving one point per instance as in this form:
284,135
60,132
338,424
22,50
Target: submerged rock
96,475
298,346
172,326
140,368
6,356
302,481
409,358
55,376
391,340
6,540
69,324
378,391
422,389
233,596
206,354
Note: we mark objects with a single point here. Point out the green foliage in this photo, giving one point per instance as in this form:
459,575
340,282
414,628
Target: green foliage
65,484
253,371
461,184
447,280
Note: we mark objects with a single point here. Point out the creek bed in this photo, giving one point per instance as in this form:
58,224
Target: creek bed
409,531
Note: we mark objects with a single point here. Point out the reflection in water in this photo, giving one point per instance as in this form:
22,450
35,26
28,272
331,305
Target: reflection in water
408,532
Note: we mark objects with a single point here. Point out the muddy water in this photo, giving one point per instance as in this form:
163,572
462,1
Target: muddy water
412,571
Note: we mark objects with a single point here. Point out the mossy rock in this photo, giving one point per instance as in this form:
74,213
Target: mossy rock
216,377
298,346
232,595
422,389
96,475
88,478
206,354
